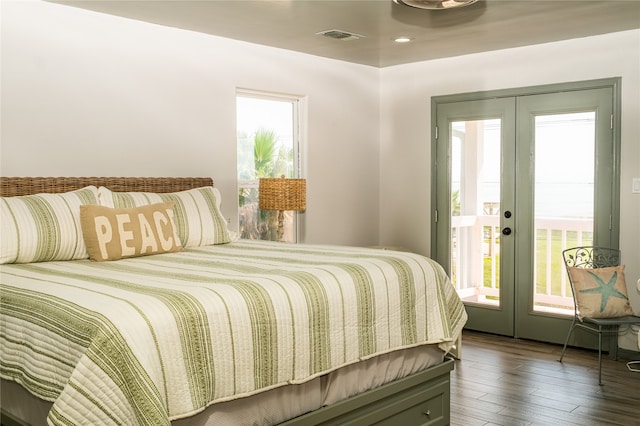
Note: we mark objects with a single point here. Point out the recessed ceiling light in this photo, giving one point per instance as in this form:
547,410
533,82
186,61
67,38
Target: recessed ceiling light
403,39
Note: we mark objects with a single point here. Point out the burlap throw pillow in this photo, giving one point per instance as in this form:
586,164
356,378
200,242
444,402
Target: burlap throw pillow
112,234
601,292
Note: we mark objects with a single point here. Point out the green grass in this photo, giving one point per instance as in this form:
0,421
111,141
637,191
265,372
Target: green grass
556,257
541,265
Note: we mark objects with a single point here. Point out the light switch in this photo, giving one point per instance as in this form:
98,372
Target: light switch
635,186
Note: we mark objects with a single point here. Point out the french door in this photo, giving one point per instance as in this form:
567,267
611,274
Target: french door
519,177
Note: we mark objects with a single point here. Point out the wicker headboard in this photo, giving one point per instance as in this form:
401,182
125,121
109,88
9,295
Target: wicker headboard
11,186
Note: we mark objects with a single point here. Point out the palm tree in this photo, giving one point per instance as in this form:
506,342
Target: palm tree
264,150
269,161
455,203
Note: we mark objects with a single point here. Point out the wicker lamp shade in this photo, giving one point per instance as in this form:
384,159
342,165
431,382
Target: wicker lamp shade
282,194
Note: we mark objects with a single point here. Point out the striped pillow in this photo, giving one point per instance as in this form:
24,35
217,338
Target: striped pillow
43,227
198,218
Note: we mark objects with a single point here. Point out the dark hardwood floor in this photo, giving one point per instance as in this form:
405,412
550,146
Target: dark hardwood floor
505,381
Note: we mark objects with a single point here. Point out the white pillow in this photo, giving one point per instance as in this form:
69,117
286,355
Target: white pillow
43,227
198,219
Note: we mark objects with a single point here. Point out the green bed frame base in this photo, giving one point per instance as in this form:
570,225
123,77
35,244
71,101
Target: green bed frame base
420,399
8,420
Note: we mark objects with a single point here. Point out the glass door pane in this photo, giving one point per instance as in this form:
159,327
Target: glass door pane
474,197
563,201
475,210
564,186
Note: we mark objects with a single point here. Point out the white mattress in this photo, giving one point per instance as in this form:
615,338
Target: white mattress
273,406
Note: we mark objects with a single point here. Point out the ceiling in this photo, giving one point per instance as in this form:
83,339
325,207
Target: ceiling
294,24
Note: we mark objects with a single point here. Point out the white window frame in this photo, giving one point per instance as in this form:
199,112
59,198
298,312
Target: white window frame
298,104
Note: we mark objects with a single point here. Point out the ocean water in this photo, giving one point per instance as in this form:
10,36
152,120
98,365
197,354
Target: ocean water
558,199
573,200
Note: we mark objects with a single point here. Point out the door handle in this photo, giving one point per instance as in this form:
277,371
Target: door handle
506,231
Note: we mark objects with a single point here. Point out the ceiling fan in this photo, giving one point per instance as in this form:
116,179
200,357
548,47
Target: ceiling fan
435,4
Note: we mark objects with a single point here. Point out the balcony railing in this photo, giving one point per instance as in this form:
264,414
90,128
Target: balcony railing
476,277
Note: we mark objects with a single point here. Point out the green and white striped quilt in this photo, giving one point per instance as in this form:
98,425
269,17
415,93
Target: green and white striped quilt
150,339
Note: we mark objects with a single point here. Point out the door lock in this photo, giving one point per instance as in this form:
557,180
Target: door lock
506,231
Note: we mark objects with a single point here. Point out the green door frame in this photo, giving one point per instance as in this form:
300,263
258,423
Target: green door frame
440,218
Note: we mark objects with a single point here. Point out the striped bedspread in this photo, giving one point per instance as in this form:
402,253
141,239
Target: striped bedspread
152,339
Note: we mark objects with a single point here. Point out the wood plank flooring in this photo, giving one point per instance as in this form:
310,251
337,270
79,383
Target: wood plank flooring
505,381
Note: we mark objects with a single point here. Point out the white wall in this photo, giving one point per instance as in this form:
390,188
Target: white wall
86,94
406,92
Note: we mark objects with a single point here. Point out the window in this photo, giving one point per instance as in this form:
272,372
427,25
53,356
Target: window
268,146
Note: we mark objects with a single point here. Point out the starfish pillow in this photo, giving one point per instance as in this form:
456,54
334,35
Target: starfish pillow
601,292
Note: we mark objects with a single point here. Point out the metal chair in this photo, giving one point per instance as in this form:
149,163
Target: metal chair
594,257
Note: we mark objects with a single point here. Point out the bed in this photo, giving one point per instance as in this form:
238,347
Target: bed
216,331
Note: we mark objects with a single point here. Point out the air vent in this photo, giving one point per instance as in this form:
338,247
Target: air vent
340,35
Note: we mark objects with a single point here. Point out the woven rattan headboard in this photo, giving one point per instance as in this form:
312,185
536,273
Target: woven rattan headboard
11,186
